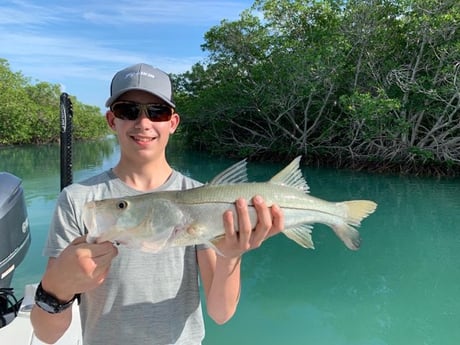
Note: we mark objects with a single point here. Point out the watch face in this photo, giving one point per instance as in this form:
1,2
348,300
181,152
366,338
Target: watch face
49,303
46,307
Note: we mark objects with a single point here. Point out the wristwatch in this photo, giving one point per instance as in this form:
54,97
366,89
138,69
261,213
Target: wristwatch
51,304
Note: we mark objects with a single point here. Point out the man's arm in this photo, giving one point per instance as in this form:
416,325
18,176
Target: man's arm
221,275
50,327
79,268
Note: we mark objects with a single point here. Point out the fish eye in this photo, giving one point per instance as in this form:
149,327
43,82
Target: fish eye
122,204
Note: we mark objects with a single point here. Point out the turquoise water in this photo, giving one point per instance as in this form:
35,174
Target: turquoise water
401,287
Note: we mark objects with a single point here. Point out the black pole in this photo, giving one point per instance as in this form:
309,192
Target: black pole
66,140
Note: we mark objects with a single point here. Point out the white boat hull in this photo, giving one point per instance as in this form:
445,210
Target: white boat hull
20,332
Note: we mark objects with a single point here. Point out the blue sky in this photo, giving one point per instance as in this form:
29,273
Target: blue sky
81,44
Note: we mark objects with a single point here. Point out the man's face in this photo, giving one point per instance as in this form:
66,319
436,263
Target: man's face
142,139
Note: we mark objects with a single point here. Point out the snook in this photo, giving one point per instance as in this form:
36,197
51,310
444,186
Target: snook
157,220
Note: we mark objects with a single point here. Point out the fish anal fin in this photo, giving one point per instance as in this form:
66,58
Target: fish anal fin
291,176
301,235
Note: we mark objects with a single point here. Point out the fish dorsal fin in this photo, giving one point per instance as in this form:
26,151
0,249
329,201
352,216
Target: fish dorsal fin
291,176
237,173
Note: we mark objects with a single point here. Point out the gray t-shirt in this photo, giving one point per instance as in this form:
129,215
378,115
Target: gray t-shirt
146,298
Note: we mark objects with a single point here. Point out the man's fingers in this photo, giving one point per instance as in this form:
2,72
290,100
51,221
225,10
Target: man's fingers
229,224
278,220
244,223
264,221
104,249
95,250
79,240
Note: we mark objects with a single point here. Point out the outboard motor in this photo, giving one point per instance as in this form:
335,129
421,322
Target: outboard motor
14,227
14,239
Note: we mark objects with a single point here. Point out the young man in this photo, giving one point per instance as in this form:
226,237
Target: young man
129,296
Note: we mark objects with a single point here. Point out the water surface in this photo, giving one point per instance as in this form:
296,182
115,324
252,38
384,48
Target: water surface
401,287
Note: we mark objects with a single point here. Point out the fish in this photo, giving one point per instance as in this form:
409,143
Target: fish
157,220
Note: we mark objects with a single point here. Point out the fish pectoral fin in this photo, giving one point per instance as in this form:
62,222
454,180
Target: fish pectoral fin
149,247
212,243
301,235
217,239
145,238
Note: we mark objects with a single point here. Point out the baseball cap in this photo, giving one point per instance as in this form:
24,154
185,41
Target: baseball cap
141,77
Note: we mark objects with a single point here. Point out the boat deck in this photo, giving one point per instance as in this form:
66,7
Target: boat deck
19,331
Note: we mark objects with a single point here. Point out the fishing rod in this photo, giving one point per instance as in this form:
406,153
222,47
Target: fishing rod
66,139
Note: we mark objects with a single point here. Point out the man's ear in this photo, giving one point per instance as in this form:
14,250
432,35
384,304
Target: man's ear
175,120
110,118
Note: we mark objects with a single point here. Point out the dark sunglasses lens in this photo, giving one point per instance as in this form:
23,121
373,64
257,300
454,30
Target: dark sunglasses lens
159,113
126,111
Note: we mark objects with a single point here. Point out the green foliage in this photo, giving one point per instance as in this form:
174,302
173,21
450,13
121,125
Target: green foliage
29,113
14,105
88,123
374,114
343,81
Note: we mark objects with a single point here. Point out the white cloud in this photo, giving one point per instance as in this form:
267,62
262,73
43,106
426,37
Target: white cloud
76,44
187,13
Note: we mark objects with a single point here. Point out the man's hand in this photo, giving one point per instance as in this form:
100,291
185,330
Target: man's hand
79,268
270,221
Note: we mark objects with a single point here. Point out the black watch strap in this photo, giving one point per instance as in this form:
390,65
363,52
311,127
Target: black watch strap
50,303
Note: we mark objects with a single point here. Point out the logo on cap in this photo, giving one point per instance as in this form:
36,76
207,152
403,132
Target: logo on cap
141,73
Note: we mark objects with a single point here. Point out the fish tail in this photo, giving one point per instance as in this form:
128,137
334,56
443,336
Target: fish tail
349,235
356,210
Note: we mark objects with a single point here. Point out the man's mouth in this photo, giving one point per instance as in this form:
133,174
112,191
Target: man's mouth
142,139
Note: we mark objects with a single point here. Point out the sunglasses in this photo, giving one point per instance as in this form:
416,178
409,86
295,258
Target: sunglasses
126,110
